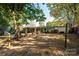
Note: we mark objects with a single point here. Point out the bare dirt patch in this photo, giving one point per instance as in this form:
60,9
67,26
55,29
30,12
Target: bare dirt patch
42,45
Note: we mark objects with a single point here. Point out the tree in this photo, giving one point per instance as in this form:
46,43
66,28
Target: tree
18,14
56,23
67,11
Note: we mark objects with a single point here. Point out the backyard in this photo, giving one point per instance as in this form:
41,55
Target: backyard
39,29
42,45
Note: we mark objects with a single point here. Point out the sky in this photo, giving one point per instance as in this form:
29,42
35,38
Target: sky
46,12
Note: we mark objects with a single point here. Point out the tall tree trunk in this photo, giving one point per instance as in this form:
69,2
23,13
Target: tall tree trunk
14,21
15,25
75,14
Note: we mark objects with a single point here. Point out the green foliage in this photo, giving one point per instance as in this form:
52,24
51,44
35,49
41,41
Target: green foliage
56,23
23,12
69,11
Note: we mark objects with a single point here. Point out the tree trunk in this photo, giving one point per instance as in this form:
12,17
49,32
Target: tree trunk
75,14
14,21
17,34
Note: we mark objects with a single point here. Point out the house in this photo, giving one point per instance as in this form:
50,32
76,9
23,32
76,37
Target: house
57,29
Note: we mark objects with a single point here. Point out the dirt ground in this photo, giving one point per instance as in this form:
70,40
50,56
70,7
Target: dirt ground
42,45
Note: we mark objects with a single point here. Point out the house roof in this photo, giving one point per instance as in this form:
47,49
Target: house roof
33,24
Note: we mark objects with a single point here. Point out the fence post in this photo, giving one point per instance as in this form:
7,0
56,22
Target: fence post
66,35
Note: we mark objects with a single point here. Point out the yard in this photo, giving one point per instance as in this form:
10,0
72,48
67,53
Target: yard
43,45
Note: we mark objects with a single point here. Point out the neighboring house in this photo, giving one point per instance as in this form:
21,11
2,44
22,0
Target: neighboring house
58,29
32,25
61,29
37,25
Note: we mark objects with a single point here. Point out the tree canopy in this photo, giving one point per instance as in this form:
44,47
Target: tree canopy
18,13
67,11
56,23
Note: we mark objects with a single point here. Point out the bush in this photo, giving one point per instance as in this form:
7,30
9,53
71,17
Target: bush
73,30
1,33
12,31
55,31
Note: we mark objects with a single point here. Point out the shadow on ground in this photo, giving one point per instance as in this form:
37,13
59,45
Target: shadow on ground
42,45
